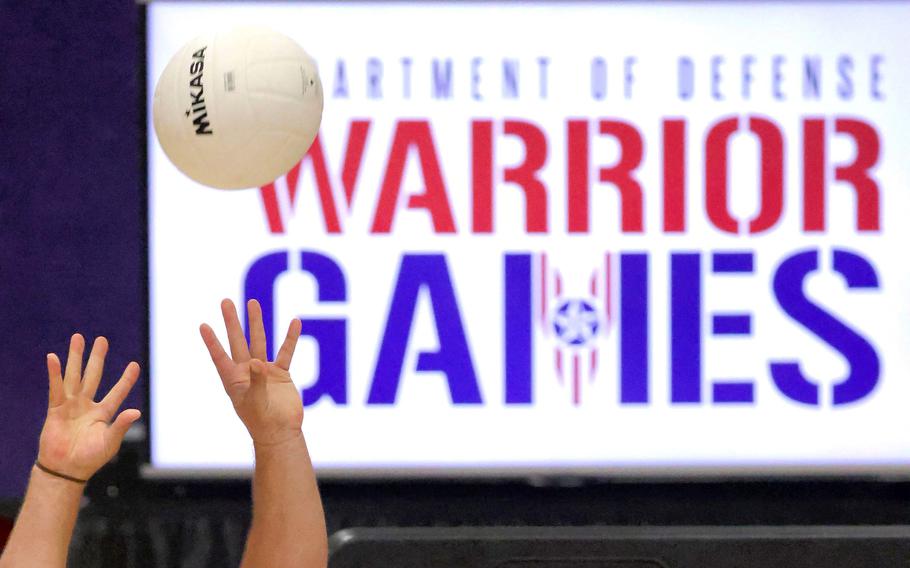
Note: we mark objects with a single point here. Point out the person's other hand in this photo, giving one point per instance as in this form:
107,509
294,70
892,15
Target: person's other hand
78,437
264,396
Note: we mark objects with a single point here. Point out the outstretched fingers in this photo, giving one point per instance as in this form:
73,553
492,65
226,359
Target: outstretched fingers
286,353
221,360
118,393
73,375
94,368
236,339
56,393
257,331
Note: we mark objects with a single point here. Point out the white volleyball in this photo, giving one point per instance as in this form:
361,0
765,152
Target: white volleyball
238,109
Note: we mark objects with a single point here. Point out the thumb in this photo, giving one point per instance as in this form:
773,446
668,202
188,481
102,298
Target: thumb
124,420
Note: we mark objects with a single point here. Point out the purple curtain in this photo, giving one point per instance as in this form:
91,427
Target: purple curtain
71,252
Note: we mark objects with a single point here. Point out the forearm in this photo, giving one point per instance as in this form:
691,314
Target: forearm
44,527
288,527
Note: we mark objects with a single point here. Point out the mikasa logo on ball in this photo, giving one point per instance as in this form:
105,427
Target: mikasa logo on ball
197,101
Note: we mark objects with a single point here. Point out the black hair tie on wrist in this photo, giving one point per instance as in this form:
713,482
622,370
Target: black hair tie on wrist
58,474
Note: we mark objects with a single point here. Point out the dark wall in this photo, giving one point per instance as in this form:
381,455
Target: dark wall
71,253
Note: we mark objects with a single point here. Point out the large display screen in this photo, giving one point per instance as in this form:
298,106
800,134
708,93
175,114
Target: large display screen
559,238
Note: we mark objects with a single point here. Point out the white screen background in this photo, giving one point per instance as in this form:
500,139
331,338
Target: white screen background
203,240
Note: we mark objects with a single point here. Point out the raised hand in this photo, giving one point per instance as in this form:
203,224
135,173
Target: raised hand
78,437
264,396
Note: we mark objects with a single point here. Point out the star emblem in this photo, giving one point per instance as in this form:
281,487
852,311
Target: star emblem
576,322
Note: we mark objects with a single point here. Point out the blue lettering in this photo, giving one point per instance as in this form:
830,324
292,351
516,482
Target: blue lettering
330,334
453,358
685,327
860,354
732,390
633,339
518,338
686,78
442,79
340,90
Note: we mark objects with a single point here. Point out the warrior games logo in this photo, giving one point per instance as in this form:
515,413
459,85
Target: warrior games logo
571,317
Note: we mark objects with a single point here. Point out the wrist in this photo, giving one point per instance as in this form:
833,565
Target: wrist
64,466
59,474
278,445
275,436
57,485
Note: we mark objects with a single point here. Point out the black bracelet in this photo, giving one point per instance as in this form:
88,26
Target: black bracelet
58,474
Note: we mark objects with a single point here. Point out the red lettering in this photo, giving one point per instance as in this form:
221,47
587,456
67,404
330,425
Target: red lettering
857,173
716,175
577,167
525,174
323,186
675,176
270,204
867,143
482,175
814,174
353,158
772,174
412,137
620,175
416,134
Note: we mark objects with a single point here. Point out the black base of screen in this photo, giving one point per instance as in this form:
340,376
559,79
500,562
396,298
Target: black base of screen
623,547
